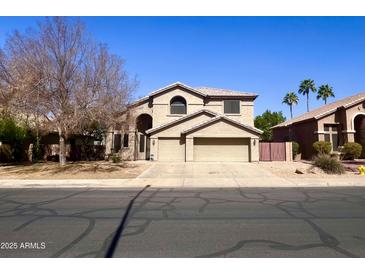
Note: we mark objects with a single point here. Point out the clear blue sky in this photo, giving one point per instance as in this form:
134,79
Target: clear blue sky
267,55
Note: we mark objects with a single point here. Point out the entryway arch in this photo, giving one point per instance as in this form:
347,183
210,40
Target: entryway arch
142,148
359,127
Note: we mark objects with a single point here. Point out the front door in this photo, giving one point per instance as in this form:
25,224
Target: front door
148,143
143,147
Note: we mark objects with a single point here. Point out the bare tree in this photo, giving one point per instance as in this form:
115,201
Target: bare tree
65,78
6,94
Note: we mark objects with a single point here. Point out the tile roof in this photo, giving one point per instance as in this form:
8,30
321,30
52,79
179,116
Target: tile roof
203,91
223,92
325,110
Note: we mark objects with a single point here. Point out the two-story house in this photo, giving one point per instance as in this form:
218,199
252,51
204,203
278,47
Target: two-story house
181,123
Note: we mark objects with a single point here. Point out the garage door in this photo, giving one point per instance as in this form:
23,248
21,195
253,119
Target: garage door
171,149
221,149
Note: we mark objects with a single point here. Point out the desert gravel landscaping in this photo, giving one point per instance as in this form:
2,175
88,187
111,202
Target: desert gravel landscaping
76,170
287,169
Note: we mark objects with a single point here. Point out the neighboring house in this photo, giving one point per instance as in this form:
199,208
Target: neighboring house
78,147
181,123
339,122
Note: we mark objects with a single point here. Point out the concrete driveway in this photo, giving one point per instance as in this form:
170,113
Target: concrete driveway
209,174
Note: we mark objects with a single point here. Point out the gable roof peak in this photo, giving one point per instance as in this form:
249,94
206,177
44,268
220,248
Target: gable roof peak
181,119
174,85
220,118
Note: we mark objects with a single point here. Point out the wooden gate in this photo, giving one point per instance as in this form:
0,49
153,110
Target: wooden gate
272,151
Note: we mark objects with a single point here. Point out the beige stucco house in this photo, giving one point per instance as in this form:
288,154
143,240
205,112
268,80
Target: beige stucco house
182,123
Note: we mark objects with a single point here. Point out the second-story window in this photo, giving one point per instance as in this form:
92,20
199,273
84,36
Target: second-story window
232,106
178,105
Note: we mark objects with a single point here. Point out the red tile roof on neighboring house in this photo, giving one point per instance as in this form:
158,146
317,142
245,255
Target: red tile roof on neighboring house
325,110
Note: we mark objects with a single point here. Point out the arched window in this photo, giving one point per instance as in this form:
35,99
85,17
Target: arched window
178,105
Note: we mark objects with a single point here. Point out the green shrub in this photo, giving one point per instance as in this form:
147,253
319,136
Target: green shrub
295,149
37,149
115,159
322,147
5,153
328,164
352,150
14,135
10,132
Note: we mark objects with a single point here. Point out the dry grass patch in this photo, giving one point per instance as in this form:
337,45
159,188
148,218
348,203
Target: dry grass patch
74,170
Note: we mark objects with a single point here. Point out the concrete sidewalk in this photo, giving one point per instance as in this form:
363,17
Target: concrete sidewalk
191,175
182,183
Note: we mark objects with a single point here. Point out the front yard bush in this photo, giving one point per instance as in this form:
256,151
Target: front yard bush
14,135
351,150
295,149
322,147
328,164
5,153
116,159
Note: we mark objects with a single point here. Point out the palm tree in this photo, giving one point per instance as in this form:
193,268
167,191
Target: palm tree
305,87
291,99
324,92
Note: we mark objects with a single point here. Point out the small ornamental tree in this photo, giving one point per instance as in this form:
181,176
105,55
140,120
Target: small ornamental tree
322,147
352,150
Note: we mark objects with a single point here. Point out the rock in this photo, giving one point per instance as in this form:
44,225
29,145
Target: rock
299,171
315,170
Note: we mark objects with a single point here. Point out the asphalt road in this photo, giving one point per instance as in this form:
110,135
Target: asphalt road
246,222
